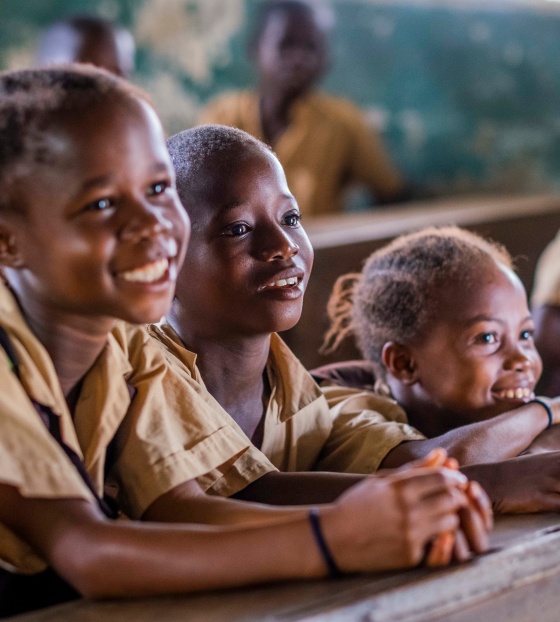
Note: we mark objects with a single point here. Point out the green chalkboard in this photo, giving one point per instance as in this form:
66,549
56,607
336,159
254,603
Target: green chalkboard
466,100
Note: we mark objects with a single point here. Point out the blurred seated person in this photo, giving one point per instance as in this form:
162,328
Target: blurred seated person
88,39
323,142
545,303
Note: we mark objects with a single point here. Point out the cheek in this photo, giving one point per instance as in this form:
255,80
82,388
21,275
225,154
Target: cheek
537,365
306,253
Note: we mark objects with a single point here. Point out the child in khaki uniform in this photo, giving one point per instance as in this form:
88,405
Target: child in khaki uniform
91,232
444,321
244,291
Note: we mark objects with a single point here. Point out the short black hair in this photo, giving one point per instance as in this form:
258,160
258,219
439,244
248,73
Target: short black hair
193,151
31,99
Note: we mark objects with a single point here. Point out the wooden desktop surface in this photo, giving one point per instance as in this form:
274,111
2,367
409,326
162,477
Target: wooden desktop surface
518,581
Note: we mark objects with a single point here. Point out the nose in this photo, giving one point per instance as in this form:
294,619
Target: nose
276,245
519,359
145,222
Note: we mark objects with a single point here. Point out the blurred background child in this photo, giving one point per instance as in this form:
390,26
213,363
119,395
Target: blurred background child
322,142
87,39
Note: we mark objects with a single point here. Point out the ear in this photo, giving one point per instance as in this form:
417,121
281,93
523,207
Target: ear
10,256
399,362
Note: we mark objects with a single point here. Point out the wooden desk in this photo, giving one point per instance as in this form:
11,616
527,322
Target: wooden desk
519,581
342,242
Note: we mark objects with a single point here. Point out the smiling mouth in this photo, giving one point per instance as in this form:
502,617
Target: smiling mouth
148,273
519,393
281,283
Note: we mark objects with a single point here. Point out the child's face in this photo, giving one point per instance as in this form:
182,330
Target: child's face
249,258
479,359
101,231
291,53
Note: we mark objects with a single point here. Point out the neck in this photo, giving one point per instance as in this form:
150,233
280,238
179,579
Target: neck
73,342
232,370
422,415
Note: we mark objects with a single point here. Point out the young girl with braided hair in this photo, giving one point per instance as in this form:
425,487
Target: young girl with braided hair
443,319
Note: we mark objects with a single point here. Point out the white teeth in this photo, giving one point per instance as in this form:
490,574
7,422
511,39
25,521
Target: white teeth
283,282
519,393
148,273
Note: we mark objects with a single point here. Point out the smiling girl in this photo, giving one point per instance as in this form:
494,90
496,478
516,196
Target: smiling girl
444,321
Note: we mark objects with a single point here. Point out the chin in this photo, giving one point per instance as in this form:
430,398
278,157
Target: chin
146,316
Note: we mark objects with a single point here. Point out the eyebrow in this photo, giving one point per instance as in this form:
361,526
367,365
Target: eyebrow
234,204
488,318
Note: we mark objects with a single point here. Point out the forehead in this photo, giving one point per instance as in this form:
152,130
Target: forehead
298,24
239,178
109,138
492,290
112,123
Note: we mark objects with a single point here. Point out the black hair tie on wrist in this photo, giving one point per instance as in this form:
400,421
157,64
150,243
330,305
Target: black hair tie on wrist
547,408
333,569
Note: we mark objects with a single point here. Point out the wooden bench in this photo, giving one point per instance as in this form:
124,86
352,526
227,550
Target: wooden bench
524,225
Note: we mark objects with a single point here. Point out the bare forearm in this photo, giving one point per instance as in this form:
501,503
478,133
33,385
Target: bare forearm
134,560
500,438
298,488
521,485
179,506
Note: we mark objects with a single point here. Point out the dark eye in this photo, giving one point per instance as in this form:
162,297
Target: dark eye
236,230
158,188
99,205
292,220
526,335
487,338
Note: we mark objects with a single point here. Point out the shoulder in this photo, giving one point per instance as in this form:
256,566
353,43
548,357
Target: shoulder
228,102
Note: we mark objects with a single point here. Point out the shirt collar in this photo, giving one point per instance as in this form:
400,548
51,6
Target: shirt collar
294,385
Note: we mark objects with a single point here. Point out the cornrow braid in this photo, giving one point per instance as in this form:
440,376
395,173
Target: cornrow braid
339,310
398,292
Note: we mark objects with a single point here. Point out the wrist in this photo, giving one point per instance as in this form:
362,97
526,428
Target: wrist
545,405
323,546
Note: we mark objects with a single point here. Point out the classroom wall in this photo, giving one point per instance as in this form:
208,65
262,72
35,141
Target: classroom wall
465,93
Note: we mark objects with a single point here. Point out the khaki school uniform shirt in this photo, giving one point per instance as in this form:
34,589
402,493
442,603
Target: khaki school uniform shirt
546,290
326,147
307,427
129,395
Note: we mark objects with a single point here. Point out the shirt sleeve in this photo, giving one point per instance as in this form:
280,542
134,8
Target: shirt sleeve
30,459
169,435
366,427
547,276
222,110
32,462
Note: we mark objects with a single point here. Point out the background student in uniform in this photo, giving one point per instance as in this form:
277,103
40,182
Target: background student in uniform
87,39
444,321
243,281
91,232
323,142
